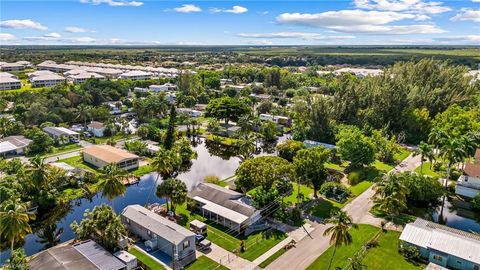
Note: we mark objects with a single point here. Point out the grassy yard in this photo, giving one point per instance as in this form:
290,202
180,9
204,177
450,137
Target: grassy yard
360,236
382,166
427,169
64,149
360,188
304,190
338,167
403,154
145,259
255,244
205,263
272,258
386,255
77,161
104,140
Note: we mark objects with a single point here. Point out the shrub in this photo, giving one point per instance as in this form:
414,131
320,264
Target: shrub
411,253
371,244
334,190
354,178
213,179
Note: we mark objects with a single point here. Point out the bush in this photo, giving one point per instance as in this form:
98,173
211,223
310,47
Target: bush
354,178
411,253
476,202
213,179
334,190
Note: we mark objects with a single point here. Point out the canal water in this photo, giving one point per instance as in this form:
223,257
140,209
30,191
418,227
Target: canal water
212,159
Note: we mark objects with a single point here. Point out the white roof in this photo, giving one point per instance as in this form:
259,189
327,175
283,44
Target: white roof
222,211
5,79
7,147
448,240
125,256
47,77
136,73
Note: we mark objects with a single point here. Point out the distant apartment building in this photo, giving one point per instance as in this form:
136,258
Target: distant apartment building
359,72
9,81
11,66
44,78
83,76
136,75
163,87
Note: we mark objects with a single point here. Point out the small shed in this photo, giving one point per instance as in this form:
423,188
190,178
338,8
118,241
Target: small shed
127,258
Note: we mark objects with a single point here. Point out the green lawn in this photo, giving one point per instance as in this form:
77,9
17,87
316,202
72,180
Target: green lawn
151,263
255,244
104,140
205,263
272,258
386,255
360,236
77,161
305,190
360,188
403,154
426,170
382,166
337,167
64,149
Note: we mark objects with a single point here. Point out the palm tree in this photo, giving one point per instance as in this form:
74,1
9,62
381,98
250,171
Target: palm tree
111,182
83,113
49,236
39,173
246,146
14,219
164,164
452,151
425,151
391,195
173,190
339,234
436,137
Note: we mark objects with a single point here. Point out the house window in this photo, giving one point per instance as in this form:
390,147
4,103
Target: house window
437,258
186,245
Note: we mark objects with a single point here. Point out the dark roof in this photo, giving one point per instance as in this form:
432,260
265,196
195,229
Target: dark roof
222,196
473,168
87,255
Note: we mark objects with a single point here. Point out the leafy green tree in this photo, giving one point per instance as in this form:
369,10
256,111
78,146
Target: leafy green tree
101,225
339,231
263,171
384,147
41,141
111,182
18,260
183,148
227,109
289,149
83,113
174,191
164,163
269,131
391,195
14,221
355,147
310,167
422,190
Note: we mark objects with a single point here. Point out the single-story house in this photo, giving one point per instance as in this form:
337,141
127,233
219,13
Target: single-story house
62,135
442,245
115,107
86,255
96,128
103,155
224,206
163,87
159,233
468,184
14,145
190,112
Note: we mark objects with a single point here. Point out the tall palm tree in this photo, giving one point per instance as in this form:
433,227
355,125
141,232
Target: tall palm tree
246,145
111,182
49,236
436,137
339,234
14,218
452,151
391,195
83,113
173,190
425,150
164,164
39,173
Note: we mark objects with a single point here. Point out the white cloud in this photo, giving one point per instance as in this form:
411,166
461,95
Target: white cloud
359,21
467,14
22,24
413,6
113,3
79,40
53,35
75,29
234,9
260,42
295,35
187,8
7,37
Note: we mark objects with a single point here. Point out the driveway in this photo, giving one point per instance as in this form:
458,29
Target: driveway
308,249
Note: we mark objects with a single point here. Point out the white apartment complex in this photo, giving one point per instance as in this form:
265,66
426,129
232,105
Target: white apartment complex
9,81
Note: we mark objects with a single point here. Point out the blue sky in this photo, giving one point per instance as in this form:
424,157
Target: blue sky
163,22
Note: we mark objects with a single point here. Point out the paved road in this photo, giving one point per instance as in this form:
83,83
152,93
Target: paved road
307,250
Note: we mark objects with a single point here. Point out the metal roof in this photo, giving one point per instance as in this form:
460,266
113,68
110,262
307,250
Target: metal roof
221,211
431,235
101,258
7,147
168,230
59,131
108,153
